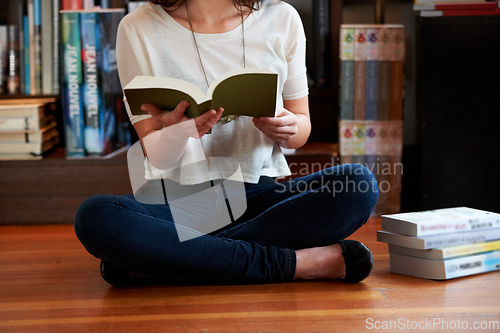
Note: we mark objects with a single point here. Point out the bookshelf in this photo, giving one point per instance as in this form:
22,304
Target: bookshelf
51,189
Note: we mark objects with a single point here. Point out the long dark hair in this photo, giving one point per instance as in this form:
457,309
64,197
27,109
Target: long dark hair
252,4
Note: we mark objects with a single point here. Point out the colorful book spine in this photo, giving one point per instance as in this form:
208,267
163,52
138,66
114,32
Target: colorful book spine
359,141
92,98
372,73
398,53
56,86
72,81
47,49
37,47
13,74
359,73
447,252
455,6
115,124
26,56
347,73
346,140
438,241
385,73
72,4
4,47
474,12
445,269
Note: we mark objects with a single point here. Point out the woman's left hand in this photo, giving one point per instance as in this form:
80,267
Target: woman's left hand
280,128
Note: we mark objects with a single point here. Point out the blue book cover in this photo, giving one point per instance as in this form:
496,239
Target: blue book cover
26,55
115,122
92,95
347,73
72,81
372,73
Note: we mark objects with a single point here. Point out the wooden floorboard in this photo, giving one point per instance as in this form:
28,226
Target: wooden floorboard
49,283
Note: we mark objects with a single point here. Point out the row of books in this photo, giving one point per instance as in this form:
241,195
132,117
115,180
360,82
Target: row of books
372,71
29,58
95,120
29,44
456,8
442,244
28,128
372,58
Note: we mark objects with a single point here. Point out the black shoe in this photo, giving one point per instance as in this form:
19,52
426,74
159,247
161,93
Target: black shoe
358,260
115,275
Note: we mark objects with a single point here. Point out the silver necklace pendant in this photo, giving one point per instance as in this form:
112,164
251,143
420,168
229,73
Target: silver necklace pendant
230,117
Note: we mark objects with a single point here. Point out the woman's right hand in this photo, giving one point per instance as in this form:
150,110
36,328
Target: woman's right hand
203,122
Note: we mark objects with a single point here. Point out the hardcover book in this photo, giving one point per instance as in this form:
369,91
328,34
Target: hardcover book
92,98
72,81
250,92
347,73
359,73
398,54
115,126
372,72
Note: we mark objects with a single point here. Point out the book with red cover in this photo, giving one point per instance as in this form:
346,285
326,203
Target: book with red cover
455,6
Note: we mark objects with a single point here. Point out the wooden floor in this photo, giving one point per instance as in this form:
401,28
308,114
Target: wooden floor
48,283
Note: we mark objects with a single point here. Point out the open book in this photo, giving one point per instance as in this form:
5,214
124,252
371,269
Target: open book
250,92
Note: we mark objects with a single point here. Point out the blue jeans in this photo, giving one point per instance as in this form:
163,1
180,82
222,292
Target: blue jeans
259,247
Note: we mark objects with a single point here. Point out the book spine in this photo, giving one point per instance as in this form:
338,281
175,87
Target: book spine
72,81
21,14
13,75
347,73
398,46
359,141
114,121
372,73
72,4
32,49
456,6
444,269
447,252
37,46
450,13
4,47
47,50
385,73
56,83
321,12
346,139
26,56
470,265
359,73
91,85
438,241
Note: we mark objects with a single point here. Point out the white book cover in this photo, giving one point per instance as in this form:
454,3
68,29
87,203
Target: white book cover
445,269
440,221
438,241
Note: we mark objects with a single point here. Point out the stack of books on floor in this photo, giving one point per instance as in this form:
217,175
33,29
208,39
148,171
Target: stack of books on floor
427,8
28,128
442,244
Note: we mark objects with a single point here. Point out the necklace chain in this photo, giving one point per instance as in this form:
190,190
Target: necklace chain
229,117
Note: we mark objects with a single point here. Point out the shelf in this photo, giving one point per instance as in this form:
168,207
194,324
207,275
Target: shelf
50,190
